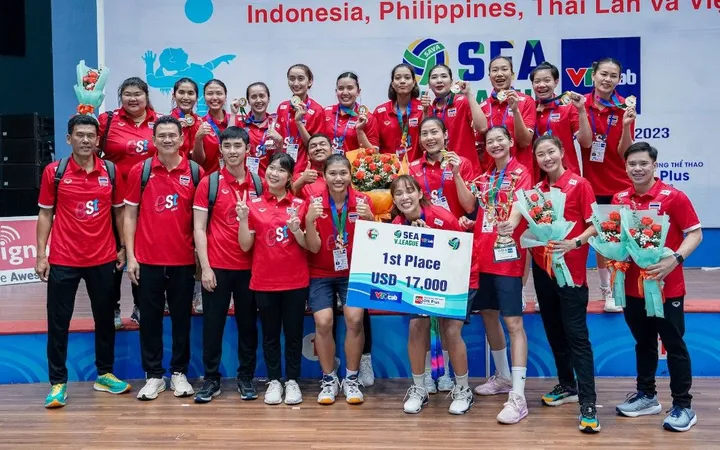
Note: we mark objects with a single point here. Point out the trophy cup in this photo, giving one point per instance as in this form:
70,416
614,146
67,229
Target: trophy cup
496,211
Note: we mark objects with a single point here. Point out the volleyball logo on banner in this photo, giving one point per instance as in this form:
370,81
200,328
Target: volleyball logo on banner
423,55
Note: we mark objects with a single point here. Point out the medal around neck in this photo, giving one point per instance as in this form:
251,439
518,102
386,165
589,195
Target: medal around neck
566,98
456,88
444,161
295,100
502,96
362,110
189,119
242,102
630,102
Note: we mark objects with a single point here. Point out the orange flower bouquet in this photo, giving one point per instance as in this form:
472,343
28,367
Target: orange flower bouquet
372,174
612,244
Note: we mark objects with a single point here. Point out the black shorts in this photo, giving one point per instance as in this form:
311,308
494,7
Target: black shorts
500,293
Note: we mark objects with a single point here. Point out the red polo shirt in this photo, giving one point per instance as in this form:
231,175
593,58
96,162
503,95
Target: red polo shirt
316,189
390,128
314,123
346,127
579,198
128,144
211,143
164,233
563,122
683,219
501,114
458,120
189,131
258,136
223,247
484,243
322,264
436,182
279,262
434,217
607,177
82,234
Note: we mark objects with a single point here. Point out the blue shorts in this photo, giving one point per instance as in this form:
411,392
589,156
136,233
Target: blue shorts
471,299
500,293
325,291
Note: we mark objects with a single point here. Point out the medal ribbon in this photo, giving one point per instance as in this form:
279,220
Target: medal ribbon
337,118
594,127
422,217
181,114
427,184
450,96
507,110
405,136
341,235
548,130
214,125
287,123
613,103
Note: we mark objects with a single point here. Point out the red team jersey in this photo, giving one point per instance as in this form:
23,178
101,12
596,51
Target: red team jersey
683,219
189,131
258,138
390,128
434,217
82,234
322,263
223,247
279,262
563,122
285,126
211,143
341,126
127,144
436,182
457,117
609,176
164,234
578,208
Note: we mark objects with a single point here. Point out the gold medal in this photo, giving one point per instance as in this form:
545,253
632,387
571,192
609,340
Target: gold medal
456,88
295,100
444,162
362,110
189,120
502,96
631,101
566,98
242,102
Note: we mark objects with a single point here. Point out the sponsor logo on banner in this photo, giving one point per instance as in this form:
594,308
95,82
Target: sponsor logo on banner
385,296
429,301
578,56
17,250
427,240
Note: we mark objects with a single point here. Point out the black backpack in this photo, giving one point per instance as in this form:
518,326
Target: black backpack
214,181
62,167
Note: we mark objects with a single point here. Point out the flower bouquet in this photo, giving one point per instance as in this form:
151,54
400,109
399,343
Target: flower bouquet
372,174
646,232
90,87
611,244
544,213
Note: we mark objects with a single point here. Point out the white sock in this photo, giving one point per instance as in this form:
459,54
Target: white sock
350,373
462,380
501,363
331,374
419,380
518,380
428,363
446,360
604,278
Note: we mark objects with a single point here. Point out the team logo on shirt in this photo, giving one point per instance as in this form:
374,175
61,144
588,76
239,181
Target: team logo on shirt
225,191
67,180
654,205
353,216
665,192
382,109
572,182
413,122
452,112
184,180
555,117
103,181
88,209
166,202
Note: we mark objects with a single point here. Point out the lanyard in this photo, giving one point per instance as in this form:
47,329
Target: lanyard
287,123
594,128
548,130
507,110
405,141
181,114
448,103
339,222
427,184
213,125
615,101
337,117
495,187
422,217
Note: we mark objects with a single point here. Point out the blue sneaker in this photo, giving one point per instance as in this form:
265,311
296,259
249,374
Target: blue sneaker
639,404
588,420
57,396
680,419
110,383
559,395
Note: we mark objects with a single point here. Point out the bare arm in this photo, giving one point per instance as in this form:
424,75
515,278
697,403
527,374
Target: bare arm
200,233
312,236
245,236
44,225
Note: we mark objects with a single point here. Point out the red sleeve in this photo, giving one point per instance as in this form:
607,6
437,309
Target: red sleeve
466,170
587,198
371,131
102,120
525,181
119,190
202,173
317,122
452,223
301,213
47,195
683,213
529,112
574,119
251,214
280,122
201,194
132,191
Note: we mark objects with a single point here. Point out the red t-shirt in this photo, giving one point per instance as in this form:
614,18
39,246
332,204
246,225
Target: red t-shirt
390,130
285,126
563,122
211,143
346,128
683,219
223,247
484,243
316,189
128,144
501,114
322,263
579,198
436,182
82,234
258,136
434,217
279,262
164,233
607,177
458,120
189,131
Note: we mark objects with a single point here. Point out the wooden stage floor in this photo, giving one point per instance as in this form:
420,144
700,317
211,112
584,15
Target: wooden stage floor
99,420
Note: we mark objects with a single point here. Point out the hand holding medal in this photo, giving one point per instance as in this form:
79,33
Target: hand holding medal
363,209
316,209
362,118
300,109
425,100
512,99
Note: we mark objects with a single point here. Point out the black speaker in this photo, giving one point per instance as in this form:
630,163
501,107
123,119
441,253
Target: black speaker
19,202
20,126
26,151
20,176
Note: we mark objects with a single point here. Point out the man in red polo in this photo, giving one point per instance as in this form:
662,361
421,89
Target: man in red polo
82,192
684,235
160,253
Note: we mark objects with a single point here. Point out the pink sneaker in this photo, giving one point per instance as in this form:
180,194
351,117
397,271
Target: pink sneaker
494,385
515,409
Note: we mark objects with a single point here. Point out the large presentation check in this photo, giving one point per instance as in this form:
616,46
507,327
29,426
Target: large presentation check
410,270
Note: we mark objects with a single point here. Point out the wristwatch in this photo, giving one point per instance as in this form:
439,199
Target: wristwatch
679,258
578,243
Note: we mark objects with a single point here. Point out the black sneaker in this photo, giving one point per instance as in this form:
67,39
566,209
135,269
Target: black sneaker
588,420
209,389
135,316
247,390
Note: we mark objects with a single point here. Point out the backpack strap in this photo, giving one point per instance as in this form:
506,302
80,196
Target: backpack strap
145,176
195,172
257,182
103,141
61,168
213,182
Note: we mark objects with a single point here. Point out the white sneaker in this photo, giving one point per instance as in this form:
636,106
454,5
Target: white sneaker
293,395
524,302
537,306
273,393
415,398
351,389
462,400
329,388
610,305
494,385
153,387
180,385
430,386
366,374
445,383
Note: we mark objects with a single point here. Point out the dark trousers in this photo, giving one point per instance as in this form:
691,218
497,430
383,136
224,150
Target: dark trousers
61,290
178,283
282,310
117,289
564,315
671,329
367,346
235,283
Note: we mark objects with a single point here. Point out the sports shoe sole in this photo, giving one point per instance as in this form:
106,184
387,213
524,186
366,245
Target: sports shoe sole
502,391
326,401
147,398
561,401
199,399
424,403
669,427
271,402
102,388
355,401
522,416
293,403
644,412
244,396
54,404
589,430
460,413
